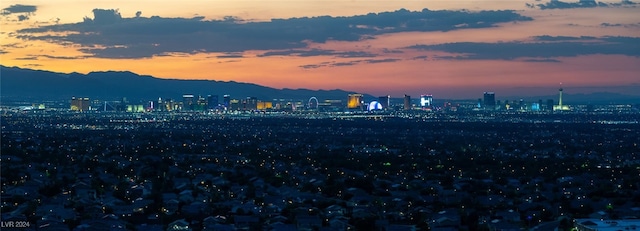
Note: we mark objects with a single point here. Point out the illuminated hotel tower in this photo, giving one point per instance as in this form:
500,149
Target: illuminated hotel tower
426,100
79,104
354,101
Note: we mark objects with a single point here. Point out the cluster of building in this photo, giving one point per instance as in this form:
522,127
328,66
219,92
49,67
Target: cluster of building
354,102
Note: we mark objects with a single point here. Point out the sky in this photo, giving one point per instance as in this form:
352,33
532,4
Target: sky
450,49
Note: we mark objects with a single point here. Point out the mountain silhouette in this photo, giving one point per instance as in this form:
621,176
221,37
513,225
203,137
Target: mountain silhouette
20,83
28,84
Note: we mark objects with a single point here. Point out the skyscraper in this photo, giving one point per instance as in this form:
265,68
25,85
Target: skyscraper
549,105
79,104
490,100
384,101
407,102
250,103
354,101
201,104
226,101
212,101
426,100
188,102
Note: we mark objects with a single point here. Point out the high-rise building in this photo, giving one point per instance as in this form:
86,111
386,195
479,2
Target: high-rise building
490,100
250,103
234,104
188,102
79,104
264,105
426,101
354,101
385,101
201,104
212,101
522,105
226,101
535,107
407,102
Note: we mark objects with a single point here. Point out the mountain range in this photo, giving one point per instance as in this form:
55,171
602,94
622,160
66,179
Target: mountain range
29,84
114,85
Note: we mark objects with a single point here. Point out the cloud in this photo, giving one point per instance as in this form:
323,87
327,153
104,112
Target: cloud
36,57
423,57
389,51
557,4
229,56
627,25
23,12
109,35
62,57
318,52
543,47
2,51
19,9
13,45
311,66
348,63
298,52
23,17
542,60
27,58
355,54
382,60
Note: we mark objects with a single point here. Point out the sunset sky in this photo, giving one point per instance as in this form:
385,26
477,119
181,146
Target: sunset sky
451,49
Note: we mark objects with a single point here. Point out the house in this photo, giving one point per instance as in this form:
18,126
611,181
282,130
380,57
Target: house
245,222
193,209
400,228
106,222
83,191
179,225
186,196
218,227
55,211
51,225
509,216
340,223
497,225
597,224
308,222
335,210
148,227
171,206
446,218
282,227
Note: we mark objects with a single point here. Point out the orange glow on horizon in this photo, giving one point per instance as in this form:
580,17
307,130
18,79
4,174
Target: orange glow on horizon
394,69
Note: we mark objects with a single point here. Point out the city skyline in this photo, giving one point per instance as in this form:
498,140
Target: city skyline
452,50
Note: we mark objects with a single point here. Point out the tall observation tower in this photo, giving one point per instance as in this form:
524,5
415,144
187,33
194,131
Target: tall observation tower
560,107
560,97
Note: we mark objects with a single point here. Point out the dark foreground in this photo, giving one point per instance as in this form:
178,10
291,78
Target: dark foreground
92,172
